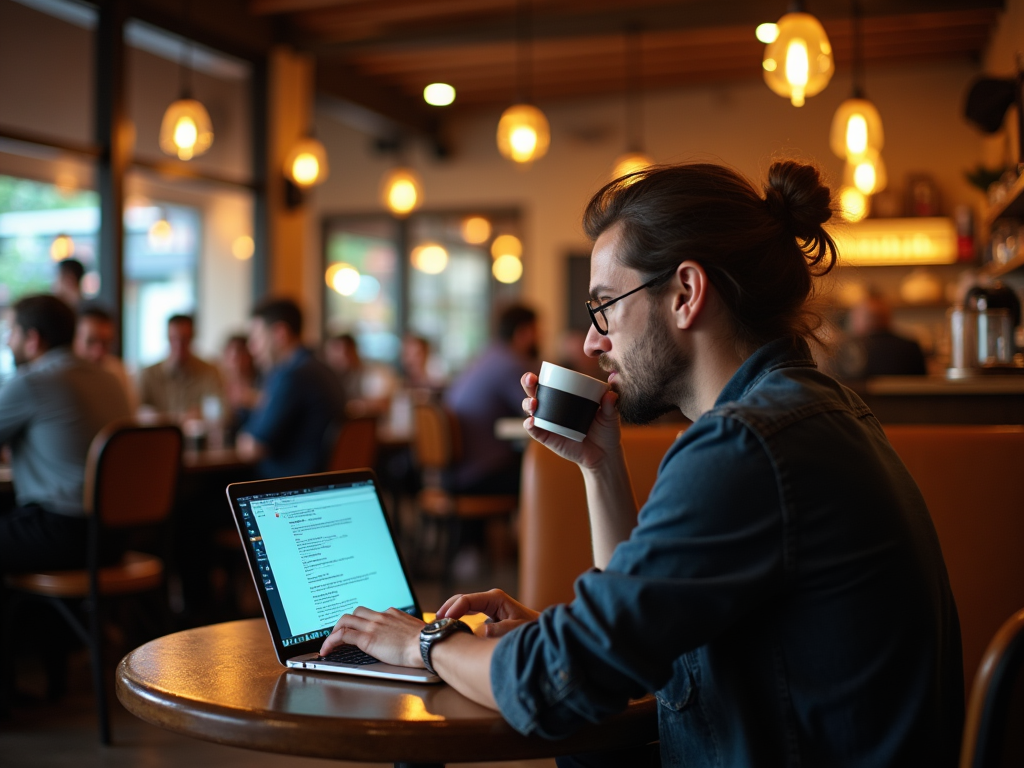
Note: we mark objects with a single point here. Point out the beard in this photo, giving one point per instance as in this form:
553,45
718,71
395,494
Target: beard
653,377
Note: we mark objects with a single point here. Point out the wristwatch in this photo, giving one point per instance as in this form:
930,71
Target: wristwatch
435,632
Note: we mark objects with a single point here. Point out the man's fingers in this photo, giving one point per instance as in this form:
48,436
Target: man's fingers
341,636
442,612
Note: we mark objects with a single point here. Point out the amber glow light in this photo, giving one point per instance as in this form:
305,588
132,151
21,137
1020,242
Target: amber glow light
476,230
186,130
883,242
400,191
160,234
523,133
507,269
798,63
506,245
243,247
767,33
439,94
856,130
629,163
853,204
62,247
306,163
867,174
430,258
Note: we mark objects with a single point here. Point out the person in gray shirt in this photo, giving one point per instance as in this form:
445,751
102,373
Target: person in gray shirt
49,413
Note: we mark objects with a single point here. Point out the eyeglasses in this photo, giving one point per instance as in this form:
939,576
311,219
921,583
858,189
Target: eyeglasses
597,314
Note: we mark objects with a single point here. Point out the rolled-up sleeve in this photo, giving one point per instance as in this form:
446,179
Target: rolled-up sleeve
708,549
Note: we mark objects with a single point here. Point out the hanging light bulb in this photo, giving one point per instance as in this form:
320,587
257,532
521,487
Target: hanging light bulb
401,191
160,235
306,163
856,128
798,63
62,247
507,269
343,278
476,230
867,173
186,130
523,133
853,204
429,258
506,245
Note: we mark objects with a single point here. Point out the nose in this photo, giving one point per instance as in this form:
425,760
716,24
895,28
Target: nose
595,344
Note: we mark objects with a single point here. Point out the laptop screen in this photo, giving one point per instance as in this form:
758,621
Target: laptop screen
320,552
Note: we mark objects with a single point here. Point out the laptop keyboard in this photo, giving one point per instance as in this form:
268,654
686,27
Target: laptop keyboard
349,654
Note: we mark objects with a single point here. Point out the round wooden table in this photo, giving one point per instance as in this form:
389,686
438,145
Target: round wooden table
223,683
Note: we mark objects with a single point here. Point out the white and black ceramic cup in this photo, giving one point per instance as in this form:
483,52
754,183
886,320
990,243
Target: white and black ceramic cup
567,401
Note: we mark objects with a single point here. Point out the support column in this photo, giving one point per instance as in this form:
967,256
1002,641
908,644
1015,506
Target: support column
113,135
290,92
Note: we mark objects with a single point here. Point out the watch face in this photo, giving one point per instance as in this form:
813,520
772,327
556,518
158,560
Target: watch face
436,626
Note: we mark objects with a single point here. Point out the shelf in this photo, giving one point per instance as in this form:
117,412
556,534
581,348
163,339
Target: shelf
1013,206
998,270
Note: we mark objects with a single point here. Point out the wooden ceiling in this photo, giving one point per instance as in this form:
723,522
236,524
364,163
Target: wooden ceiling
381,53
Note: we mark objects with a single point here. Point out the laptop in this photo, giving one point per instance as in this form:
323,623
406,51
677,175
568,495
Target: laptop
318,546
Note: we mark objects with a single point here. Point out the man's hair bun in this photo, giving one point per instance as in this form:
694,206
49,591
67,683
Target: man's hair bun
800,202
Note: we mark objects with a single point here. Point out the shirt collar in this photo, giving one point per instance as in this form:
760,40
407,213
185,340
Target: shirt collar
49,358
789,352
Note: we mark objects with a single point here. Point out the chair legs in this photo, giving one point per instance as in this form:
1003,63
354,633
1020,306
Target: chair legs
96,652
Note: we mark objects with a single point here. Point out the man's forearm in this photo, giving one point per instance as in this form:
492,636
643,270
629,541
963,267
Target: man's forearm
464,662
612,507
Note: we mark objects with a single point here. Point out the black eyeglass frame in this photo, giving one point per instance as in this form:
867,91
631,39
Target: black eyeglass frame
602,307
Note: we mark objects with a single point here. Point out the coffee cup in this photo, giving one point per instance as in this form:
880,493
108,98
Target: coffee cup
567,401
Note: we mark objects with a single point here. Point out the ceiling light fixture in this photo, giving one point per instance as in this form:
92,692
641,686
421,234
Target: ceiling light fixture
306,164
523,131
186,131
439,94
856,126
798,63
634,159
429,258
401,191
476,230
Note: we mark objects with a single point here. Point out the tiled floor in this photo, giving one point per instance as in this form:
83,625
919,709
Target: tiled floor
37,734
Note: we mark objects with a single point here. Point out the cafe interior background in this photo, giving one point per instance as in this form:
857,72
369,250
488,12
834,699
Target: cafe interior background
681,81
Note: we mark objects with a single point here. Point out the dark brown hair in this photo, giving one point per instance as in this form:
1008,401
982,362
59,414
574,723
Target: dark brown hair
48,316
760,253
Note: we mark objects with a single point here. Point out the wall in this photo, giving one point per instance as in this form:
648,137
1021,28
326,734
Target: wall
741,124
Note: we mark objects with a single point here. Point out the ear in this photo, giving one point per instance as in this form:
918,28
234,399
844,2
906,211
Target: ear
689,294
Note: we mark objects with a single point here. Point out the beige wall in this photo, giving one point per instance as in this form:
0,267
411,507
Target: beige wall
741,124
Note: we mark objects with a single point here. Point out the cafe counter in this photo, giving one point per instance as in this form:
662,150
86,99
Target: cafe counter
938,400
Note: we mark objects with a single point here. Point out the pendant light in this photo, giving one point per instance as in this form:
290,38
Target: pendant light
635,159
866,173
401,191
186,130
523,130
306,165
856,126
798,63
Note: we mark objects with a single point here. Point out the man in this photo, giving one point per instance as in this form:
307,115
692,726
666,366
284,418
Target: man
874,349
49,413
782,590
68,285
178,385
367,387
489,390
300,408
94,340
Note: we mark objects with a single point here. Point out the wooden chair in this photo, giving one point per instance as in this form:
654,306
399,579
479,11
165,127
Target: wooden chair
130,479
554,528
994,729
355,446
973,482
436,446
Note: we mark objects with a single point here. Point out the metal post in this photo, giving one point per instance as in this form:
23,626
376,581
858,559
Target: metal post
260,161
112,137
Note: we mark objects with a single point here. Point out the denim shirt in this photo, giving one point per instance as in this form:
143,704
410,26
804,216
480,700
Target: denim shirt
783,593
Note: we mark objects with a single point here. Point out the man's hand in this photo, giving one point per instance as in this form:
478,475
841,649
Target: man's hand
505,612
603,439
392,637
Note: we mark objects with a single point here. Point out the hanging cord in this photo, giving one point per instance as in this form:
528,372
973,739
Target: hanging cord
858,51
634,91
187,52
524,57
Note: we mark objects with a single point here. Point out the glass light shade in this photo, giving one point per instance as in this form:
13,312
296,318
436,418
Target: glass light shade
854,205
867,173
523,133
506,245
439,94
631,162
507,269
401,191
476,230
429,258
160,235
186,130
62,247
306,163
856,128
798,64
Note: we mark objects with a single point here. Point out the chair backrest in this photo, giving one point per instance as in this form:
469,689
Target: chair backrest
355,446
555,543
131,474
994,730
972,478
434,442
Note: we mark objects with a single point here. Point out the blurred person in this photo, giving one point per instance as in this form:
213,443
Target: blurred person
489,390
418,368
180,384
50,411
367,385
782,591
67,285
241,380
873,348
300,407
94,342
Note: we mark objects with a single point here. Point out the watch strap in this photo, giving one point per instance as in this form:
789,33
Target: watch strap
427,642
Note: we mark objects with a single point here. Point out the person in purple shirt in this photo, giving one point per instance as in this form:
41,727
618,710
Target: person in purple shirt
486,391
